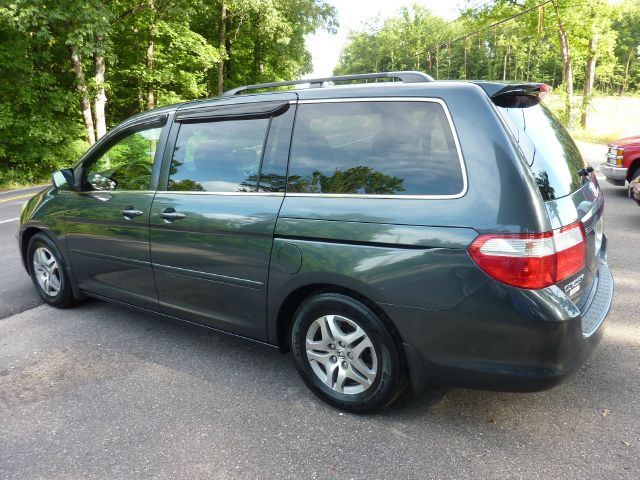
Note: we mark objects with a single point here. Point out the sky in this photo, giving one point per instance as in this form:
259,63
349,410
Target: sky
325,48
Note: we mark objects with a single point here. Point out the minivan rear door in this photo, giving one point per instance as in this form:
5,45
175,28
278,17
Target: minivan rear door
570,192
213,218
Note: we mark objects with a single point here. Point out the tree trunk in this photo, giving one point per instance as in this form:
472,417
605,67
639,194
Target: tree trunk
626,72
589,77
465,59
101,96
222,35
528,61
257,54
567,66
504,65
151,101
85,104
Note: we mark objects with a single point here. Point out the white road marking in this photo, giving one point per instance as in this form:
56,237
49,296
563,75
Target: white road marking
10,220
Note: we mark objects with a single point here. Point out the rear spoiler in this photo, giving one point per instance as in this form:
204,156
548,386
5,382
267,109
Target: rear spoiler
515,95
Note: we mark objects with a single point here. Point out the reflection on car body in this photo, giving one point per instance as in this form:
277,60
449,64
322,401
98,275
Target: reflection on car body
410,233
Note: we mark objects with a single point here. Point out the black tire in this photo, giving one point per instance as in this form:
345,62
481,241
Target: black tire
63,297
390,376
635,176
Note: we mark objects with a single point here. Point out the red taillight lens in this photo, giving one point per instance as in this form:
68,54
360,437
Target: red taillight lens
544,90
571,250
531,260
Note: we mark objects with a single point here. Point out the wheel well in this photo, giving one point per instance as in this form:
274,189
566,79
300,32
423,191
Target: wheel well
295,298
26,238
635,165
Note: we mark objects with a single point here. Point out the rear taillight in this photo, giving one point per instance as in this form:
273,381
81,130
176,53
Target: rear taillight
531,260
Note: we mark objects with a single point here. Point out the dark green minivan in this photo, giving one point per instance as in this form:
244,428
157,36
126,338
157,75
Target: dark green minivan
388,233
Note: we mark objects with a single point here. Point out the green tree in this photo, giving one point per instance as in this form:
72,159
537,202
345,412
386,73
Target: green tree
564,43
69,70
84,27
627,48
38,127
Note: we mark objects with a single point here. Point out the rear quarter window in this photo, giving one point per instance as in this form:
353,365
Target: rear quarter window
552,154
381,148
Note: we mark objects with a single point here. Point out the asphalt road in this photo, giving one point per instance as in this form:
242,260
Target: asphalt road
16,292
99,391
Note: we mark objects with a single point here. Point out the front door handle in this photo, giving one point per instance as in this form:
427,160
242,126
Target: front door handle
131,212
170,214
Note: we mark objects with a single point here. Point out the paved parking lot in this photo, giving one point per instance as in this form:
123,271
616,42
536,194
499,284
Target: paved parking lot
99,391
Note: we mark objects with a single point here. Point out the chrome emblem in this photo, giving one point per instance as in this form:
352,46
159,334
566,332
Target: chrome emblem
573,287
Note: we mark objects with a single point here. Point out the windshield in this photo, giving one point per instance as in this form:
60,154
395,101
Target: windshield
551,153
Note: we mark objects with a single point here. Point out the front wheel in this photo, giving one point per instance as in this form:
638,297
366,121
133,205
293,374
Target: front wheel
47,270
345,353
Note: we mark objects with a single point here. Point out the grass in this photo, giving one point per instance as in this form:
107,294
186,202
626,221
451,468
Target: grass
593,136
16,183
610,117
4,187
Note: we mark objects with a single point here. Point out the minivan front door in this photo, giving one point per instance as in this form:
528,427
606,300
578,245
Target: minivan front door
212,228
107,221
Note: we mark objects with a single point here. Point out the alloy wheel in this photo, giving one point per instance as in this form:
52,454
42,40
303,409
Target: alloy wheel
341,354
47,271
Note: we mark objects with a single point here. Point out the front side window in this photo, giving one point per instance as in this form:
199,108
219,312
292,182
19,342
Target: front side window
383,148
218,156
126,165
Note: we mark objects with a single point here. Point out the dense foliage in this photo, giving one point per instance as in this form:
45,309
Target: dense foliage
70,70
558,43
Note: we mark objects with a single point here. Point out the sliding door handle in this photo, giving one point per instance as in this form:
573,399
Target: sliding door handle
131,212
170,214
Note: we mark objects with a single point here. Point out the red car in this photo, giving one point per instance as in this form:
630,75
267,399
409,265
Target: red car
623,161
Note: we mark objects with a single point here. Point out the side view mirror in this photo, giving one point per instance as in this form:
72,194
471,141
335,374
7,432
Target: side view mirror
63,179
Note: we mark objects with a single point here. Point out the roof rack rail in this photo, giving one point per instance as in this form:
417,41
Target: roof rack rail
406,77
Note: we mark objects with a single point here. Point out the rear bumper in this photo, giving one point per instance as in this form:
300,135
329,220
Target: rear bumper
615,175
503,338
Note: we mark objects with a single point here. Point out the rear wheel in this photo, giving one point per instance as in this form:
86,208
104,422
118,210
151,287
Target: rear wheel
345,354
48,272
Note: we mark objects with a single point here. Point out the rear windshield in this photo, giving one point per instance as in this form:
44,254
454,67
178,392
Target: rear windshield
550,151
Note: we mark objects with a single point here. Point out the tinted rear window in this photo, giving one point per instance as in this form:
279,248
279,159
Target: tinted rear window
388,148
551,152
